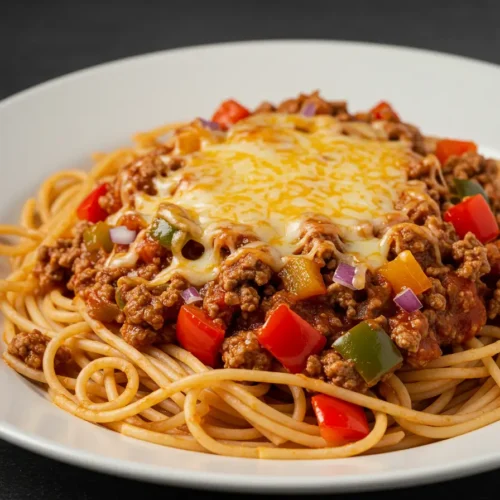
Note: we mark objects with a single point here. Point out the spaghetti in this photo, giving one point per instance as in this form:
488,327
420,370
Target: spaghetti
160,392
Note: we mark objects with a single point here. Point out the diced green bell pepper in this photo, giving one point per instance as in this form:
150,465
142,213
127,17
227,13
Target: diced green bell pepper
465,188
370,349
97,236
163,232
119,299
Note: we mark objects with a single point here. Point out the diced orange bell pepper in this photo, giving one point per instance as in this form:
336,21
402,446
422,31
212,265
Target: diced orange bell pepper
405,272
301,277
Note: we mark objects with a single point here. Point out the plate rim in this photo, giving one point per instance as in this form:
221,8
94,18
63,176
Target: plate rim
241,482
261,41
216,481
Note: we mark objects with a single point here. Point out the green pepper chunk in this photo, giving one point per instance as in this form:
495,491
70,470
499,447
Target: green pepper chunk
97,236
370,349
163,232
119,299
465,188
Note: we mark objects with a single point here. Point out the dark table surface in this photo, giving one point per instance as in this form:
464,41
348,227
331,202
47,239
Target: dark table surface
42,40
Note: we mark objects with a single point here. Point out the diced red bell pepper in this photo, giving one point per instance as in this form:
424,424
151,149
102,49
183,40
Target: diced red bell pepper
290,339
473,215
405,272
302,278
450,147
90,209
383,111
198,334
339,422
230,112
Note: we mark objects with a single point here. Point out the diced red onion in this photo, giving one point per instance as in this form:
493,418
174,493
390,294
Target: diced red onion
122,235
308,110
344,275
408,301
191,295
209,125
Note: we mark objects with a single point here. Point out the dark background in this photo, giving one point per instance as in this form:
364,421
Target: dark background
42,40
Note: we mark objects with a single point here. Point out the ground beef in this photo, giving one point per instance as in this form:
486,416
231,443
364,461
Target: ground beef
242,350
359,305
476,167
407,133
54,263
331,367
454,309
471,255
320,315
139,176
493,254
264,107
444,233
215,305
148,312
322,107
30,347
112,200
228,239
248,268
427,170
494,302
100,297
428,350
416,206
236,289
319,239
246,297
411,333
153,305
414,238
395,130
137,336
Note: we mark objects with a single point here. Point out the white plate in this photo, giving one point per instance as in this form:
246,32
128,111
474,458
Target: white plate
58,124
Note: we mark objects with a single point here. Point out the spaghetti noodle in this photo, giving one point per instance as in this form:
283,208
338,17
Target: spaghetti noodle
160,392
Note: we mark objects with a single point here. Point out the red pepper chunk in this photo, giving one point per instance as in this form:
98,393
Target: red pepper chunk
89,209
339,422
473,215
290,339
230,112
198,334
445,148
383,111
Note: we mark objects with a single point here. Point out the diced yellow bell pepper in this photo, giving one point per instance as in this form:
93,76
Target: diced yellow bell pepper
302,278
405,272
187,141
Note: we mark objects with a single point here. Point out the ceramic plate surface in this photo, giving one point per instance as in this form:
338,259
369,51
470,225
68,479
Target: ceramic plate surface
58,125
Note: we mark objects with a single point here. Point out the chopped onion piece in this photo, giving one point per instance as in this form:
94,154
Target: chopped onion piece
345,275
191,295
308,110
122,235
408,301
209,125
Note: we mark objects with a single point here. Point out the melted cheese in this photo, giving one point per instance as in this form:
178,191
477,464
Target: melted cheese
271,172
